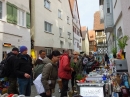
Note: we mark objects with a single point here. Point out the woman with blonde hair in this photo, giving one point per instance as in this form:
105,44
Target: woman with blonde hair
75,64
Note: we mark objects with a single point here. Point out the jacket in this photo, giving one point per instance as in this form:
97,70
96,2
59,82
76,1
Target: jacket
23,65
50,72
38,61
46,60
64,71
76,66
39,66
11,63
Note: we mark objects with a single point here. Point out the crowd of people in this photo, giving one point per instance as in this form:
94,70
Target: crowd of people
22,71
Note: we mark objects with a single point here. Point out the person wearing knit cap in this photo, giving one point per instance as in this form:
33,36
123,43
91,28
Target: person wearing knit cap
23,49
23,69
12,57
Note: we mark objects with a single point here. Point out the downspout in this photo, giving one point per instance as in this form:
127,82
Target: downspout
32,22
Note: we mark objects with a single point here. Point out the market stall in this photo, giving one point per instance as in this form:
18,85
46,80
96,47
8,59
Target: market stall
106,82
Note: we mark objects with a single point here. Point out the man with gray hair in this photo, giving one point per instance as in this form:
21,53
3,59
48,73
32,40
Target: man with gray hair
64,72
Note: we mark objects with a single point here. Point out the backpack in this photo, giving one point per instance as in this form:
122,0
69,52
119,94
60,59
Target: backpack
38,70
4,69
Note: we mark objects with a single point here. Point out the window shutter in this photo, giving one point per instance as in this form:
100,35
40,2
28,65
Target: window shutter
9,12
14,14
28,20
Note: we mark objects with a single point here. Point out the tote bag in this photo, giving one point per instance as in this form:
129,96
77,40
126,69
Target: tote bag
38,84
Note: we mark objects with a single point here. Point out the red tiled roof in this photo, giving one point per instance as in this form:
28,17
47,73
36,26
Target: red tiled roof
97,24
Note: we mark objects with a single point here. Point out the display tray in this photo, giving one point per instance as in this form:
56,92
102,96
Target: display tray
91,89
90,84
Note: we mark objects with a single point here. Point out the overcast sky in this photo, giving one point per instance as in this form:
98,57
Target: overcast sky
87,8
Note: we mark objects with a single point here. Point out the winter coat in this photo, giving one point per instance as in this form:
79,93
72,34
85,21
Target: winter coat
23,65
11,63
64,71
50,72
38,61
46,60
39,65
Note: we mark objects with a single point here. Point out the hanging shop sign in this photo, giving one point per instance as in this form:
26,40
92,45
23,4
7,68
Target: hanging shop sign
7,45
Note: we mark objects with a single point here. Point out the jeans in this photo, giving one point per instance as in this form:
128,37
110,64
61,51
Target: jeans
13,86
24,86
64,87
73,78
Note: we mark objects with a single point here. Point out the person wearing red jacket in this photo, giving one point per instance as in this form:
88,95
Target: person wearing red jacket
64,72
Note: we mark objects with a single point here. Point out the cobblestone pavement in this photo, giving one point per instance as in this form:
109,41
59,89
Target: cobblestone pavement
56,94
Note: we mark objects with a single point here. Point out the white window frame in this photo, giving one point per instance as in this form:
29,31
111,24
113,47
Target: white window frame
60,32
47,29
108,6
59,13
48,51
21,17
68,20
46,3
1,10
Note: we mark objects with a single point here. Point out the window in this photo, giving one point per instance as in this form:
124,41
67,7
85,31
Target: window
47,4
119,32
60,32
67,19
73,29
61,44
28,20
69,45
108,6
11,13
0,10
48,27
21,18
77,32
59,14
48,51
69,34
77,45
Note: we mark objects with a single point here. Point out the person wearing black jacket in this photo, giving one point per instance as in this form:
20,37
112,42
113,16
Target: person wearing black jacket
23,71
13,89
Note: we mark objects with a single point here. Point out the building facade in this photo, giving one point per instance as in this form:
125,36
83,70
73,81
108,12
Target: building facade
85,41
106,17
92,41
119,14
53,25
76,26
14,25
100,35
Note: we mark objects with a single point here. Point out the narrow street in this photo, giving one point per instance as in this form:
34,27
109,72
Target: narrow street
56,94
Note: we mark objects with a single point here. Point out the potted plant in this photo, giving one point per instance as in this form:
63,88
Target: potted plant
114,51
122,43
